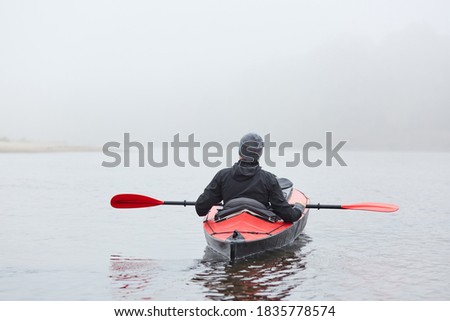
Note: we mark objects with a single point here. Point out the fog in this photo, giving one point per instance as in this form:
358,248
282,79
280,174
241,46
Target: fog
375,73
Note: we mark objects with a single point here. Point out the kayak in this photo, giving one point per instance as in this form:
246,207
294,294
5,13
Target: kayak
247,229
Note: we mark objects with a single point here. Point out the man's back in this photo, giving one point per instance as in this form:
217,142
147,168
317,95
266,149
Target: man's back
246,180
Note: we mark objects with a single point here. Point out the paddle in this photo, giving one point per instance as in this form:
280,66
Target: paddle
373,207
137,201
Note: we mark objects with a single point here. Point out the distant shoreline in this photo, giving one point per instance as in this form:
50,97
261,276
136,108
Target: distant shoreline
34,147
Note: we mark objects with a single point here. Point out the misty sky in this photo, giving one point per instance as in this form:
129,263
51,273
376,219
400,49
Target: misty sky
376,73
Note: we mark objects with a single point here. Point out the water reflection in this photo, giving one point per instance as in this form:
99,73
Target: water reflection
270,276
131,277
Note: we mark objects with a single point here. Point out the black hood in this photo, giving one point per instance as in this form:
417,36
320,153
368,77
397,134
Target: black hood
243,171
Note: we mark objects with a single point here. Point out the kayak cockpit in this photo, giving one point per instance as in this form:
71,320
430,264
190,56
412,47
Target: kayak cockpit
243,204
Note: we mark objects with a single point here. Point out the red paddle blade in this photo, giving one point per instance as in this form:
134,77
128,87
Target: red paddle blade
375,207
134,201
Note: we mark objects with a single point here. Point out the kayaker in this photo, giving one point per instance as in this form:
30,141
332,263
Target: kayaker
247,179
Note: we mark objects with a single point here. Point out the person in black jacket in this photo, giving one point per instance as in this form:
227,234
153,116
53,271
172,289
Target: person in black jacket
247,179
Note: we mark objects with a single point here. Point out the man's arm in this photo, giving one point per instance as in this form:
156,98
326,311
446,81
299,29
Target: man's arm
279,204
211,195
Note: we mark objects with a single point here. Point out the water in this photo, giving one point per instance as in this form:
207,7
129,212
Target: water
60,239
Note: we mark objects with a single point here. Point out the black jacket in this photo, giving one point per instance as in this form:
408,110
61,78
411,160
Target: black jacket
246,180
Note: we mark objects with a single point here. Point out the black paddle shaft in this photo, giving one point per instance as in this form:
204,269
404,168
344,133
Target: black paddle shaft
319,206
184,203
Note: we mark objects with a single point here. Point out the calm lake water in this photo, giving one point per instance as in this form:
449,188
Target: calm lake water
60,239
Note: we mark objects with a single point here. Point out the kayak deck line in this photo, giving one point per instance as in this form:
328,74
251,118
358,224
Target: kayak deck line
269,233
246,232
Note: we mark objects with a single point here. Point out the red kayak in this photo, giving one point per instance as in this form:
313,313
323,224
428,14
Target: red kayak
249,230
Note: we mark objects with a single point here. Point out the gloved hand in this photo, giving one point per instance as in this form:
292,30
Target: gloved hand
299,207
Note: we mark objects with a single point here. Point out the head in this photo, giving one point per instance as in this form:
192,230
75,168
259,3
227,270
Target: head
251,147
